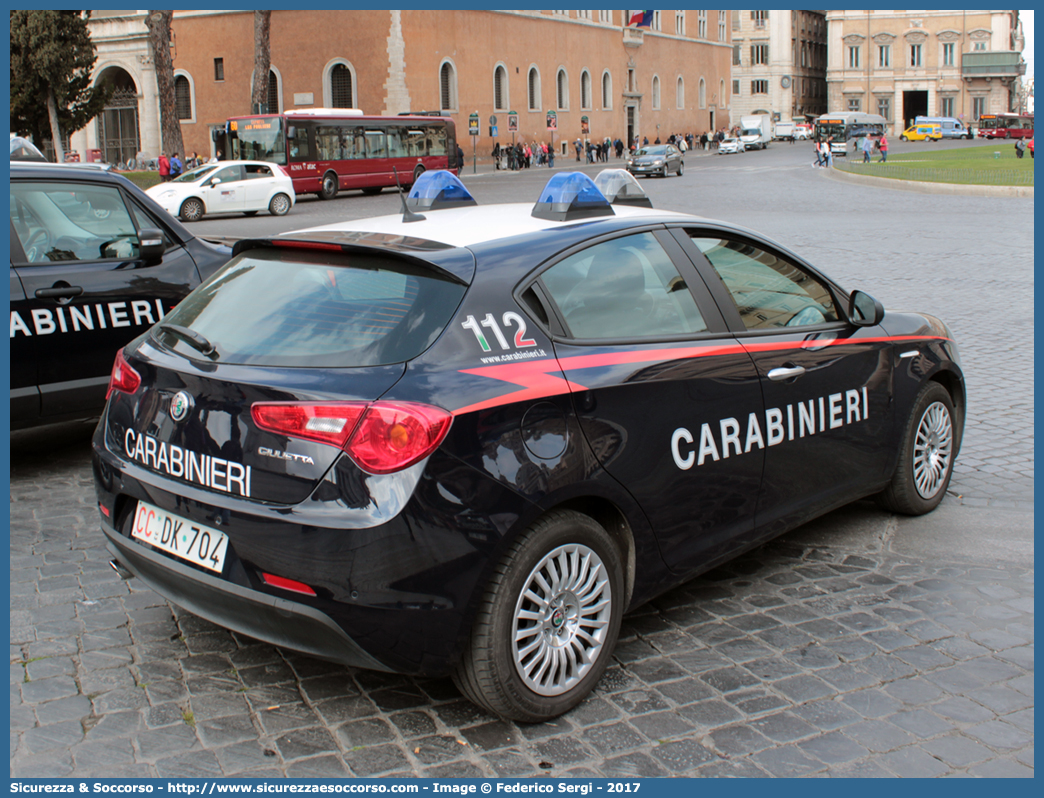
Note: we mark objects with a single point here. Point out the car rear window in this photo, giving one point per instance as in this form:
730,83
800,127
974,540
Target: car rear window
291,307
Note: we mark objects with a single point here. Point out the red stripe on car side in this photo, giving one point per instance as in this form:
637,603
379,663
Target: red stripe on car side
538,382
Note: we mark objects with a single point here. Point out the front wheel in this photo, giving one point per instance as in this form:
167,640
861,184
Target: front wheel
903,138
417,172
926,455
664,173
328,189
681,168
192,210
280,205
548,621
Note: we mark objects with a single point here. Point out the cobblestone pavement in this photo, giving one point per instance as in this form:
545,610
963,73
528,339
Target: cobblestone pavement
804,657
793,660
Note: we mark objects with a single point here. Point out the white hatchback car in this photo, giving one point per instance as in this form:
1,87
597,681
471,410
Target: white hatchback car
728,146
227,187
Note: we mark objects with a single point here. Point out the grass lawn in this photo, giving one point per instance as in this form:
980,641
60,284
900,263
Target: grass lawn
143,179
968,165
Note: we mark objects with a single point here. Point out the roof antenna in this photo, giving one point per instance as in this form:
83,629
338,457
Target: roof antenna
407,214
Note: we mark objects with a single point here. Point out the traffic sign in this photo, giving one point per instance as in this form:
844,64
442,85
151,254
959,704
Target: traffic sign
492,119
552,120
473,125
512,122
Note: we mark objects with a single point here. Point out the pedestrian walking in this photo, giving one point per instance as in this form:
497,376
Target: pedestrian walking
868,146
1020,147
828,151
882,145
551,156
460,159
164,167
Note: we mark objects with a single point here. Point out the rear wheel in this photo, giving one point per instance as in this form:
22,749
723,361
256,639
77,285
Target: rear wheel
280,205
192,210
548,622
417,172
328,190
926,455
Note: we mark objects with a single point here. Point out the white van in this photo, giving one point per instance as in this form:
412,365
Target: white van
951,128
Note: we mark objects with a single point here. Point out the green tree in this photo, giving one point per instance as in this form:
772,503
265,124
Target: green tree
52,57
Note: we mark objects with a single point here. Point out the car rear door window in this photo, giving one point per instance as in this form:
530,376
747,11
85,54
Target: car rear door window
624,288
768,290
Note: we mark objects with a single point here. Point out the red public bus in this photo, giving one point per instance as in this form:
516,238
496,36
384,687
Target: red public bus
326,150
1006,126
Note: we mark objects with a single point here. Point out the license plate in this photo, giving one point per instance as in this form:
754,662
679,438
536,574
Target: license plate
195,543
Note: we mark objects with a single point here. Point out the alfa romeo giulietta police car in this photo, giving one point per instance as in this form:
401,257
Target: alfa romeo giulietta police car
467,439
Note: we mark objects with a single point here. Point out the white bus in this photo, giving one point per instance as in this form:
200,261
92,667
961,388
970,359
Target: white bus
847,126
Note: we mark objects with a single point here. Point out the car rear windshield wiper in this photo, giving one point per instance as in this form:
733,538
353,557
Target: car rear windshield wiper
192,338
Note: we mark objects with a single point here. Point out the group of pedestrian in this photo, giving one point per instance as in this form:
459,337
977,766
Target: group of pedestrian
522,155
867,144
169,168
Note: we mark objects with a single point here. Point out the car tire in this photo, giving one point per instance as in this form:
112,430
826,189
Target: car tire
328,189
192,210
926,455
529,660
903,138
417,172
665,172
280,205
681,168
370,191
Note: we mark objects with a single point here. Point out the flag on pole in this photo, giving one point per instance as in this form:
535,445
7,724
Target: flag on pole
640,19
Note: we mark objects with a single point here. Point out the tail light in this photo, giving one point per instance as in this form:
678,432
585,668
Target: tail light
382,437
123,377
282,171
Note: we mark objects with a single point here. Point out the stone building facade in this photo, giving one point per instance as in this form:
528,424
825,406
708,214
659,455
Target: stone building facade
902,64
673,77
779,61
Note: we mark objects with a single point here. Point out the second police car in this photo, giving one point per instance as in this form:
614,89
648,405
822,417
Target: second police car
468,439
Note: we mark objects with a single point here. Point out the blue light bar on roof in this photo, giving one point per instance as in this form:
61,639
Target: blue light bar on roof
571,195
438,189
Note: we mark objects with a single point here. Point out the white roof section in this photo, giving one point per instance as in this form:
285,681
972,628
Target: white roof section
475,224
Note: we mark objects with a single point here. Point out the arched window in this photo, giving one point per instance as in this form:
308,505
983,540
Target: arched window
585,90
703,93
340,84
447,87
273,92
656,93
607,90
183,97
562,85
500,89
679,101
341,93
534,89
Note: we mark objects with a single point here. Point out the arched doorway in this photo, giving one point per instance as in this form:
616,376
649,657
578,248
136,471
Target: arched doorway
118,135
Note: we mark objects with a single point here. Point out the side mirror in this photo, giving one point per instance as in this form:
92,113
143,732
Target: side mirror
150,244
864,310
214,181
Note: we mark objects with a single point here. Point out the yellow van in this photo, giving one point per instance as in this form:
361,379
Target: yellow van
925,132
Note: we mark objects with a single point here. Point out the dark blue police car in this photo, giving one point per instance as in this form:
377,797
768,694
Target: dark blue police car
466,440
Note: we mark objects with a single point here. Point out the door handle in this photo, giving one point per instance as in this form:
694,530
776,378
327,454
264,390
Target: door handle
59,292
778,375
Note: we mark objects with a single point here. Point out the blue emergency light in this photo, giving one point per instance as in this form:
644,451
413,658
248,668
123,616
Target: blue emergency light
571,195
438,189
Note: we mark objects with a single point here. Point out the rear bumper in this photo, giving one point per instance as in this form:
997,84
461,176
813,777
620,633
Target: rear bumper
264,617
